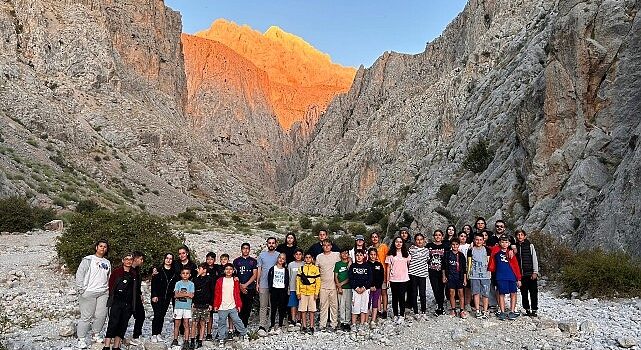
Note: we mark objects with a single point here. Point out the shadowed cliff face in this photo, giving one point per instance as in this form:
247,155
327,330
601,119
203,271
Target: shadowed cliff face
301,79
552,88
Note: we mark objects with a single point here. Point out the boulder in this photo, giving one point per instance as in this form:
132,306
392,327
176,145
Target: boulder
54,225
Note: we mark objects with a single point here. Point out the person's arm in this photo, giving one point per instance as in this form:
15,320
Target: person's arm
535,263
190,291
317,283
370,275
83,269
298,283
260,271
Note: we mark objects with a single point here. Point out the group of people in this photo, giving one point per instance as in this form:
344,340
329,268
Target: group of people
346,286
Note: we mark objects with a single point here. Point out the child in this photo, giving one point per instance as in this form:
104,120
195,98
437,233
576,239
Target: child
227,303
201,305
121,300
454,275
308,284
341,279
214,271
360,280
378,278
529,268
278,279
293,268
508,276
418,272
435,270
397,261
224,260
183,293
478,257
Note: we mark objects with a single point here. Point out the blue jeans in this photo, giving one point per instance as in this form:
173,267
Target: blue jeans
222,323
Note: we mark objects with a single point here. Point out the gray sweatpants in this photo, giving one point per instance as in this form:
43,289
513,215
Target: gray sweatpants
263,312
93,312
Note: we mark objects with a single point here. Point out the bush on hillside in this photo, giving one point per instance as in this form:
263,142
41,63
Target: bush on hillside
446,191
125,231
478,158
19,216
357,228
602,274
305,222
87,206
267,225
552,254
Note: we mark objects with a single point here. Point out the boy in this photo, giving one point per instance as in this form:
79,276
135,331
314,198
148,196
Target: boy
508,277
121,301
341,279
529,268
307,288
227,303
183,293
454,275
360,277
378,277
214,271
478,257
293,268
203,295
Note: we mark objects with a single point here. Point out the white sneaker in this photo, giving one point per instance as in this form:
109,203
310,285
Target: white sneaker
401,320
159,338
134,341
262,333
82,344
396,319
97,338
153,339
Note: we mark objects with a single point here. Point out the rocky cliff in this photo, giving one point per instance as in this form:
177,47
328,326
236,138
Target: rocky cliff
302,80
91,105
553,90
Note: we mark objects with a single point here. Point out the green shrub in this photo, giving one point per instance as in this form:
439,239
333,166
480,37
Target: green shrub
305,240
552,254
267,225
19,216
305,222
478,158
335,224
602,274
317,227
87,206
446,191
125,231
373,216
344,241
188,215
357,228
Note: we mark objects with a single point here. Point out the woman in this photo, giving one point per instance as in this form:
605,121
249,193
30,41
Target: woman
184,260
288,247
162,293
469,232
397,262
450,233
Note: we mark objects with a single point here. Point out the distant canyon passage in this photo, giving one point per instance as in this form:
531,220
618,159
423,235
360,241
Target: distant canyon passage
102,99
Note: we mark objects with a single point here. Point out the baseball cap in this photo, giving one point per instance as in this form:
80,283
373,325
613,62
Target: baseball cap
359,237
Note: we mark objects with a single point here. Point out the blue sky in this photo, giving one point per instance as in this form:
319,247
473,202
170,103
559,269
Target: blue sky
352,32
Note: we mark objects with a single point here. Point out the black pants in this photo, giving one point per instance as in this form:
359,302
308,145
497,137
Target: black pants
417,288
139,317
278,298
119,315
398,297
160,310
438,287
529,286
248,303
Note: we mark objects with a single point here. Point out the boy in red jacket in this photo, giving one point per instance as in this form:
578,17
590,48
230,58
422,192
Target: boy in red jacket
505,267
227,303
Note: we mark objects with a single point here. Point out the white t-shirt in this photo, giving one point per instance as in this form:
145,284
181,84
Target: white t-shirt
279,277
228,302
463,248
97,278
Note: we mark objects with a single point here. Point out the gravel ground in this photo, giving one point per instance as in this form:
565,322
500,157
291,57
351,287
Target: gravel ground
39,311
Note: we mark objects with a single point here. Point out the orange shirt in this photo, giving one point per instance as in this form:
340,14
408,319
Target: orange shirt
382,250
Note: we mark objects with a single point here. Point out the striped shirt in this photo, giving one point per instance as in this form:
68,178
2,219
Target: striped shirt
419,262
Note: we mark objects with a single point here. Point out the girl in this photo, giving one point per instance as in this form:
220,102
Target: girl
278,278
162,293
397,261
435,269
418,274
288,247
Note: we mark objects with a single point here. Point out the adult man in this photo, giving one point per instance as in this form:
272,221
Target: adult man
266,260
139,310
382,249
92,282
328,294
247,272
317,247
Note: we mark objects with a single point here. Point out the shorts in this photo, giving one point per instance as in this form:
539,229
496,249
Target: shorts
481,287
506,287
180,314
293,300
198,313
454,283
375,298
360,302
307,303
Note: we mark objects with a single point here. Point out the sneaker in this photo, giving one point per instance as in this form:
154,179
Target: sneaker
298,324
512,316
262,332
528,312
485,315
135,341
82,344
153,339
395,319
453,312
478,314
517,313
159,338
463,314
221,343
533,313
439,312
384,315
401,320
501,316
97,338
311,330
272,331
174,343
199,344
209,337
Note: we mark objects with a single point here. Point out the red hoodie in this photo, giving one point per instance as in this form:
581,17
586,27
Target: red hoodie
514,264
218,294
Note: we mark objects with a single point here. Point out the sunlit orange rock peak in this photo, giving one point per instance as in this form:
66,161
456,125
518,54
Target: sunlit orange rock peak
301,78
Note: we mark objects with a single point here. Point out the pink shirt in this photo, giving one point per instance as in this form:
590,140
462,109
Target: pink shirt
398,266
